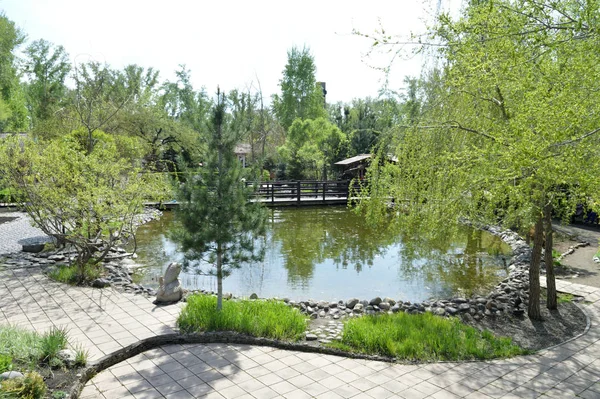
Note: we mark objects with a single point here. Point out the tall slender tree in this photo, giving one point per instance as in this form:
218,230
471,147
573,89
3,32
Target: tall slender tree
301,96
46,67
13,112
218,222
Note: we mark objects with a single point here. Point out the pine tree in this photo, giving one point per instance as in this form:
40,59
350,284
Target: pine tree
218,223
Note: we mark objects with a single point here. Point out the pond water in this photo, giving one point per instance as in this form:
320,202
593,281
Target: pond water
331,253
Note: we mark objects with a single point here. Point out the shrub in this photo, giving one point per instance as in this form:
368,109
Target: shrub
31,386
270,319
422,337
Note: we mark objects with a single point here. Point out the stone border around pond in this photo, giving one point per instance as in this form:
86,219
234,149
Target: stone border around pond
510,295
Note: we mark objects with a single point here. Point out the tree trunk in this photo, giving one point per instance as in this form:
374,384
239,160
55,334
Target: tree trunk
219,278
533,309
551,302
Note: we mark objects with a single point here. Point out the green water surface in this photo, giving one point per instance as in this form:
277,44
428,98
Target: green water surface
331,253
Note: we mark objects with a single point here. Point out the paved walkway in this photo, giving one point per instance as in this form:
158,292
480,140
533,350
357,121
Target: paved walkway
105,320
102,320
17,232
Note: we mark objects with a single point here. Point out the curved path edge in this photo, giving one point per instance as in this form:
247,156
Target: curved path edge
228,337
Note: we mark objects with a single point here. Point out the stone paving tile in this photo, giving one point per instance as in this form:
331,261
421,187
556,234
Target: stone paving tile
106,320
562,372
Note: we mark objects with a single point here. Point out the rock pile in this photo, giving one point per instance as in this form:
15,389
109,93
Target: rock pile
118,263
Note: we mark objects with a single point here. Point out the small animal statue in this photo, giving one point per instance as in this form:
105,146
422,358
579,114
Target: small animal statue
169,289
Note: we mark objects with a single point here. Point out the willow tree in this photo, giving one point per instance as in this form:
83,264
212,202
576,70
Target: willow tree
513,136
218,222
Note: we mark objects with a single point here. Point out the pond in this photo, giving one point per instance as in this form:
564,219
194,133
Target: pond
331,253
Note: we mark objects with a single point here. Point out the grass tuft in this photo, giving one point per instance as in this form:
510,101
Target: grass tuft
81,356
270,319
71,274
53,342
422,337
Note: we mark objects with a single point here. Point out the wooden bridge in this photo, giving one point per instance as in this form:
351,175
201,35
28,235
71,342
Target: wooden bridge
303,193
294,193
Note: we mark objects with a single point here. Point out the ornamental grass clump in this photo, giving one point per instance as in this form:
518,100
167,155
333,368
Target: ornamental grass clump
260,318
422,337
21,345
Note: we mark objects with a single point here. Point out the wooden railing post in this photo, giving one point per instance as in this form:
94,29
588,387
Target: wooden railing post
324,190
272,192
298,190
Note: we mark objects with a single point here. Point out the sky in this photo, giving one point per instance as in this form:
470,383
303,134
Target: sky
232,43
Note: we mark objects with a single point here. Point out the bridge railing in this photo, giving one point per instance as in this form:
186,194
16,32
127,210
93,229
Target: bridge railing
302,189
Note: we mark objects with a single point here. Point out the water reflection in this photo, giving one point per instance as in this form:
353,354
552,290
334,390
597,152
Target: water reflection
331,253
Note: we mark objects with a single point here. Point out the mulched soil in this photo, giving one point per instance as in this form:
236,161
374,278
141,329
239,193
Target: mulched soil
557,326
59,379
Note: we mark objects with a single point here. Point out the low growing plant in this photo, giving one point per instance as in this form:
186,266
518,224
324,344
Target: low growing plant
70,274
59,395
53,342
564,298
270,318
81,356
5,363
31,386
21,345
423,337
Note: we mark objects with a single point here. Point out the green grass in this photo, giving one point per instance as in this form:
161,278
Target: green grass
422,337
270,319
70,274
21,345
53,342
30,349
563,298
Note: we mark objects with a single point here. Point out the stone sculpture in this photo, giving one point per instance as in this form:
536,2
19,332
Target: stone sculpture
169,289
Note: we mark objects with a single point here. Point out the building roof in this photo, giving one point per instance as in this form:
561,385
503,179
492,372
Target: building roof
354,159
242,149
9,134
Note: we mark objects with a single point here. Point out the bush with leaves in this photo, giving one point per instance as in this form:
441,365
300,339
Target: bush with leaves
86,199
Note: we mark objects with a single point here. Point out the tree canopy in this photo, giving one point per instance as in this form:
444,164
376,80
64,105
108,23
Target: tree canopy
300,97
514,134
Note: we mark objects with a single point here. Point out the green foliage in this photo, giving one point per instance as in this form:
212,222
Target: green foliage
31,386
51,343
312,147
508,135
562,297
364,121
71,274
423,337
81,356
5,363
86,200
20,344
59,395
301,96
47,68
217,221
269,319
13,113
